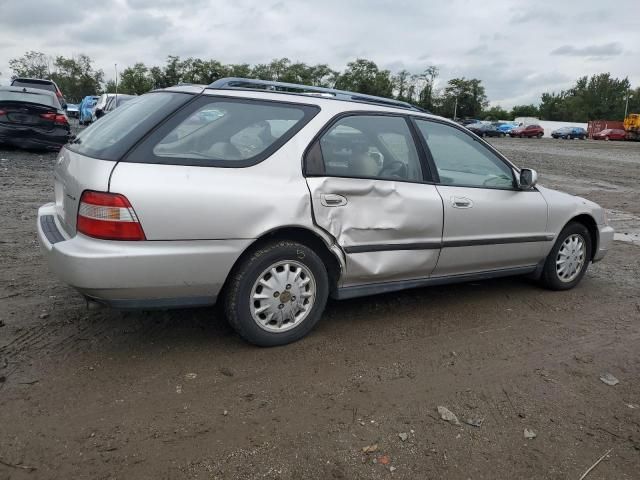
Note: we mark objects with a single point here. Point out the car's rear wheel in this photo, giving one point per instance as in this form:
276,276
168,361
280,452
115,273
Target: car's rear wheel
277,294
569,258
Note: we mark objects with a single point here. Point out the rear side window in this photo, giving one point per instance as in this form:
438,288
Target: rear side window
42,99
113,135
366,146
235,132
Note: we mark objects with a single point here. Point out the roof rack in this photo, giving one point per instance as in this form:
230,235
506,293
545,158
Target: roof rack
236,83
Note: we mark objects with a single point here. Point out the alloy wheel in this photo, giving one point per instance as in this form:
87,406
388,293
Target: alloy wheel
571,258
283,296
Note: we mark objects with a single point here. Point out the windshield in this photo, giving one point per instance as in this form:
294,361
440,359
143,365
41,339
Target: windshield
34,84
116,133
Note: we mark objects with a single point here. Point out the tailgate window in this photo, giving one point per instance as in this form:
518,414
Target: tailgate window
114,134
227,132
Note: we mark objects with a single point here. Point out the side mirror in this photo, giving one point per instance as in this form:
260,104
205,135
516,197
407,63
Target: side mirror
527,179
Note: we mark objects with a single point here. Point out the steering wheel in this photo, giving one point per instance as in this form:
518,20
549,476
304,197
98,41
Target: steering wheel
493,181
395,169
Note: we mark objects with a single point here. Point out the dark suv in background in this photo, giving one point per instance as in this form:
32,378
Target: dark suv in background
41,84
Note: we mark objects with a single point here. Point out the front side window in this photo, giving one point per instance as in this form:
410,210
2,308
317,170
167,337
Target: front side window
230,131
369,146
463,161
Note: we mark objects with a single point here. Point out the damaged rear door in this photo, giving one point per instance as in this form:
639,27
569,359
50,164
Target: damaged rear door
371,191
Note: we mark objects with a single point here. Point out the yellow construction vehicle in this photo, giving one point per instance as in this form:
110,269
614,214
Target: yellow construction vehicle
632,126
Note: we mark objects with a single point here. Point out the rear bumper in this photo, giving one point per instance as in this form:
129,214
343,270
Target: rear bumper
148,274
605,238
34,138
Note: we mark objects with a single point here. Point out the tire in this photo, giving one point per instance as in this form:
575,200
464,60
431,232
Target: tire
242,313
551,278
539,135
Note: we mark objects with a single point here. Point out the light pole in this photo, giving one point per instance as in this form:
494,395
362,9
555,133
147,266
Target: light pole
116,68
455,109
626,105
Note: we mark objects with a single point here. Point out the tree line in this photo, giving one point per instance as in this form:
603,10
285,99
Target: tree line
600,96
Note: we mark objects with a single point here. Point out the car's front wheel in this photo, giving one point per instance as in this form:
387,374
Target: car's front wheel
569,258
277,294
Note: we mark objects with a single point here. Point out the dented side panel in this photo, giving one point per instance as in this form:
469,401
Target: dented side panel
389,230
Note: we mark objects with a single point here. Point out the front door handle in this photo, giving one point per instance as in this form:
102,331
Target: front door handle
461,202
333,200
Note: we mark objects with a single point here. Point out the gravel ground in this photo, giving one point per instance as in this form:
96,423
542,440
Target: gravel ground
99,394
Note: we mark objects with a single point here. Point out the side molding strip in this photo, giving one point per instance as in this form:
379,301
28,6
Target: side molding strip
387,247
376,288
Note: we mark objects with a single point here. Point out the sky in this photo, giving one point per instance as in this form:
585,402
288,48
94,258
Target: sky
518,49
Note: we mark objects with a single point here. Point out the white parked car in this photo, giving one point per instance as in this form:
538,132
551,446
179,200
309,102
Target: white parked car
270,197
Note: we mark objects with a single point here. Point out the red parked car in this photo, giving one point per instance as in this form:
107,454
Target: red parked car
610,134
528,131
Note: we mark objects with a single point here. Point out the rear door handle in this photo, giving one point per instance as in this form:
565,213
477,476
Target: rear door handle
461,202
333,200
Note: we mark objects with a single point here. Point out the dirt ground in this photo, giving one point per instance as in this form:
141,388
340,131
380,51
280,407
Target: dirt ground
99,394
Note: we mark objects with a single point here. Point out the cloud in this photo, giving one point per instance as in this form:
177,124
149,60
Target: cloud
31,14
605,50
112,28
489,43
163,4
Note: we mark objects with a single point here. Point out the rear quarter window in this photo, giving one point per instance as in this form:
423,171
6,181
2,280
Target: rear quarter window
227,132
113,135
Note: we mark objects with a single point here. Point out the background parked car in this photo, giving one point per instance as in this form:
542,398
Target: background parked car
468,121
528,131
610,134
116,101
86,109
569,133
40,84
485,130
32,118
73,110
98,108
505,127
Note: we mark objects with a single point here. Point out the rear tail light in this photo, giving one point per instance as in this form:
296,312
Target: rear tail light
108,216
55,117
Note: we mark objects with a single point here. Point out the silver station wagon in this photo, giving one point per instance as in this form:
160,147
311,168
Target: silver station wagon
269,197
